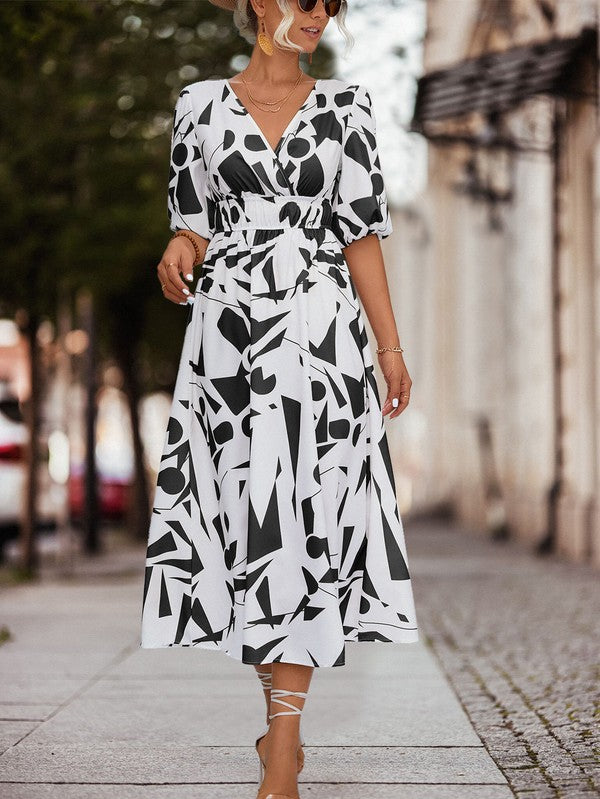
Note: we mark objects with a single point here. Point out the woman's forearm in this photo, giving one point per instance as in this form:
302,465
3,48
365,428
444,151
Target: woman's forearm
367,269
201,242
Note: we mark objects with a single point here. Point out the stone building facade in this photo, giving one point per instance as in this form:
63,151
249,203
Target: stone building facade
495,275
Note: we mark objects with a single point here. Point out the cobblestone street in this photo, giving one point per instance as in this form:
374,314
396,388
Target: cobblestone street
519,638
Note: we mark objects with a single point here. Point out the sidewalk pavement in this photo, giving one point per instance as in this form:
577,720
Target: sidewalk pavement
86,713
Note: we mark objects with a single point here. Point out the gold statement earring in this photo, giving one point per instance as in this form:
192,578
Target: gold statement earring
264,42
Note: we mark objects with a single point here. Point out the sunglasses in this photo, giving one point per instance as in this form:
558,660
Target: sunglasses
331,6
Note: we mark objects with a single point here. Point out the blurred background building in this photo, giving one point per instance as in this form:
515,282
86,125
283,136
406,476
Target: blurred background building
495,273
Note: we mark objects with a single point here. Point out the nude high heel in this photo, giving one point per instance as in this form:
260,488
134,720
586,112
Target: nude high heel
275,693
265,678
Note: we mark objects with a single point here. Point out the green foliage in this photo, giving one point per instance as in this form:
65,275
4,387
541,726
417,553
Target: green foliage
87,92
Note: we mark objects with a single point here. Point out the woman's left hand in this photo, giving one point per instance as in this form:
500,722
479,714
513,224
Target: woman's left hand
398,382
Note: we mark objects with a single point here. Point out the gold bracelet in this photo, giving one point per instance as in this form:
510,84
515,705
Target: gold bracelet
379,350
189,237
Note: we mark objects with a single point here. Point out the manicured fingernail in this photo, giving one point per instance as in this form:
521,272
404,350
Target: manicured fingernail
395,402
189,277
185,291
183,303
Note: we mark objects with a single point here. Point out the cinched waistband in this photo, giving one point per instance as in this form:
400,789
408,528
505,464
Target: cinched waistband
271,213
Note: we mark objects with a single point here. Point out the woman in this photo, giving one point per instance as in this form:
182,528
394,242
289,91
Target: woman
276,536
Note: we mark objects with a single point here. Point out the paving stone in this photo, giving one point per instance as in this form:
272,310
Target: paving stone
12,731
165,762
13,711
144,710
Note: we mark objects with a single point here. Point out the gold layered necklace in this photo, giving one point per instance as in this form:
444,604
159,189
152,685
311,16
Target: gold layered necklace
271,102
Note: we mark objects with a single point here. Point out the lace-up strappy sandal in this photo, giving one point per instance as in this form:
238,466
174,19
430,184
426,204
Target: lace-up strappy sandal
265,678
275,693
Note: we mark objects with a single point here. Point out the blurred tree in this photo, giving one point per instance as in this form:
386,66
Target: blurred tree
87,92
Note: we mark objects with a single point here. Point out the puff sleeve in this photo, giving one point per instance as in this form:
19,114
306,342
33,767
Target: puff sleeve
359,202
188,203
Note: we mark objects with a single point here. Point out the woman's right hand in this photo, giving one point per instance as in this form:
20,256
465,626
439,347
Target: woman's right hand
176,263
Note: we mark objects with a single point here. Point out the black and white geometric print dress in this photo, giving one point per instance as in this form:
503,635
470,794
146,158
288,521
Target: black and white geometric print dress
276,534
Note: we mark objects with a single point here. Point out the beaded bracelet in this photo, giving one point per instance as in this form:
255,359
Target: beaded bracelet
189,237
379,350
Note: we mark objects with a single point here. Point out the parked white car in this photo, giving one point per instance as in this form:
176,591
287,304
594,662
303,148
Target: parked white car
13,441
14,437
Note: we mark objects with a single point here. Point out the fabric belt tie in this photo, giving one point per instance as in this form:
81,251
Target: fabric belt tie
271,213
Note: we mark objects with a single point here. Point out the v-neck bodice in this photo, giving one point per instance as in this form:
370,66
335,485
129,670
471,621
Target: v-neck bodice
275,149
326,155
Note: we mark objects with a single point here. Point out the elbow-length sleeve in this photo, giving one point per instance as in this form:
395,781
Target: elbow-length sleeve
360,202
188,203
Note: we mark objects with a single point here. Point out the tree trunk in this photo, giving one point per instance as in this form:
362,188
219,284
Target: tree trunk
90,513
129,316
29,553
139,515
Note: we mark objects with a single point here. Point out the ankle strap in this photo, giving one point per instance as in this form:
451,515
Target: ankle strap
275,692
265,678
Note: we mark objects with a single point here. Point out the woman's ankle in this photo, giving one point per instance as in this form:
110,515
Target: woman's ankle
283,737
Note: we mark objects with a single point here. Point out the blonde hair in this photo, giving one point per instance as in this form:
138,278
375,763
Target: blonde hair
246,21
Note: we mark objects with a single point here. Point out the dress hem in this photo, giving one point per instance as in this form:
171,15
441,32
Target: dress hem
411,637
